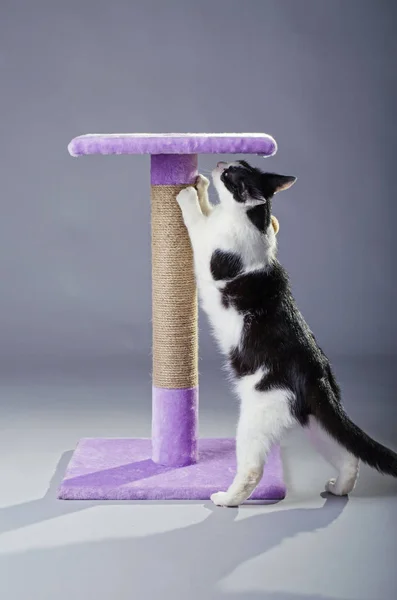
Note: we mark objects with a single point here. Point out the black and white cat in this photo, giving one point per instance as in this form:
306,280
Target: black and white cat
280,374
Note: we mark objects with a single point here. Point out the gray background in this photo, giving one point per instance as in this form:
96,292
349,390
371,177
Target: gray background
75,285
75,246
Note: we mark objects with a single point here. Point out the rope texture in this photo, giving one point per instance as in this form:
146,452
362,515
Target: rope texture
174,294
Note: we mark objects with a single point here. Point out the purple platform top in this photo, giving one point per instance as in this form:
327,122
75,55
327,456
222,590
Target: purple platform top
173,143
122,469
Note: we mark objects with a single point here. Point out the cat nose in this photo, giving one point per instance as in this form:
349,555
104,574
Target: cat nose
221,164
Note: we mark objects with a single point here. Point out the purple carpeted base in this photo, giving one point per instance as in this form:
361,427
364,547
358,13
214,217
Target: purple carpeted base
122,469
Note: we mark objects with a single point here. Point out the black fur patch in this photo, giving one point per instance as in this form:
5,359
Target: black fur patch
257,216
225,265
244,163
275,334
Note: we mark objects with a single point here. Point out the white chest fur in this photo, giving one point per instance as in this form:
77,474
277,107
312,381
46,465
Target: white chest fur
227,323
230,231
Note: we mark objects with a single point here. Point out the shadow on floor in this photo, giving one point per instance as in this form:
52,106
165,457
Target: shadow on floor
185,563
42,509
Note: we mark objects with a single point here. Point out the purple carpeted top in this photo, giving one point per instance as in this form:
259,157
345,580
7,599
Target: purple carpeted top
173,143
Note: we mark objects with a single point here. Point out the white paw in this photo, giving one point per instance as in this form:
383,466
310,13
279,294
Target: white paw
344,488
223,499
332,487
186,196
202,182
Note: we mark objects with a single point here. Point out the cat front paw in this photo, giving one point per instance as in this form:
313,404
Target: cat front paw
202,183
223,499
186,196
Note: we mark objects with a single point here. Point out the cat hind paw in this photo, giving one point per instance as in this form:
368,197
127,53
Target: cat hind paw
223,499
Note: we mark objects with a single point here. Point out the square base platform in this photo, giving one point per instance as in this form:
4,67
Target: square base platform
122,469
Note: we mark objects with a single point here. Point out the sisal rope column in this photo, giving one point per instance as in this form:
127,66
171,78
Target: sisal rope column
175,330
175,344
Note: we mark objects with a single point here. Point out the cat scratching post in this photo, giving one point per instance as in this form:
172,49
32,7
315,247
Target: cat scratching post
174,464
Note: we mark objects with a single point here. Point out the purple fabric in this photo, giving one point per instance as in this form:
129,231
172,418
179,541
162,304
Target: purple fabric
173,169
174,426
121,469
176,143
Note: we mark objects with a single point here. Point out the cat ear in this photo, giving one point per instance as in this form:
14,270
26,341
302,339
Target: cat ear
279,183
275,224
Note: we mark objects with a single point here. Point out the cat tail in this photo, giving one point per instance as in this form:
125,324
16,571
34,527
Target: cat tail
332,417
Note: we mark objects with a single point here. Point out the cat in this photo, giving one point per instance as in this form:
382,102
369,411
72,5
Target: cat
280,374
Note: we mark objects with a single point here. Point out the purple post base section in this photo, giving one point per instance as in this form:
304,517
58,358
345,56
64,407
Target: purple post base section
122,469
174,426
173,169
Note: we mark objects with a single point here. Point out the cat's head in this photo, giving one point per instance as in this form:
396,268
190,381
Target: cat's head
238,183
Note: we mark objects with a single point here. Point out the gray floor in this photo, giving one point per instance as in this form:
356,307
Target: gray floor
304,548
